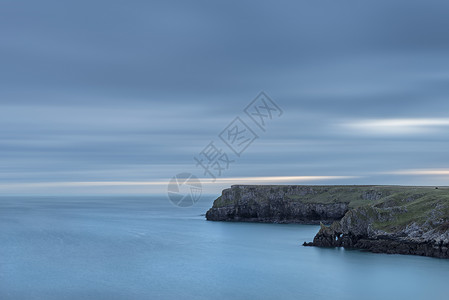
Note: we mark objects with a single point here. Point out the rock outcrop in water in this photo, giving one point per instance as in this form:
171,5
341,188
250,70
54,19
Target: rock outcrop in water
384,219
402,229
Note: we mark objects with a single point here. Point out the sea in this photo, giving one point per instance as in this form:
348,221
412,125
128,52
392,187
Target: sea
143,247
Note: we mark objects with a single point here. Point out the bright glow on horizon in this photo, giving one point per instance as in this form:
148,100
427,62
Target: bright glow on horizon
148,187
237,180
437,172
209,186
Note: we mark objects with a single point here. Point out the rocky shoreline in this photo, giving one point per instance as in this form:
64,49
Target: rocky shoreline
357,230
388,246
380,219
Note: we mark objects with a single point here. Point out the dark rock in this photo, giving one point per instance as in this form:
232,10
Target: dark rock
274,205
355,231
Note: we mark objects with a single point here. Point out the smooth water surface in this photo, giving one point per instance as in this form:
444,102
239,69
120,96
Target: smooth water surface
145,248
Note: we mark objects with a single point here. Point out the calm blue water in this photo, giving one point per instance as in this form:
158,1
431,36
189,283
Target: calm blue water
144,248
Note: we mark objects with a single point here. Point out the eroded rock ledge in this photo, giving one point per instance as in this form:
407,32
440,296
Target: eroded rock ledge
359,229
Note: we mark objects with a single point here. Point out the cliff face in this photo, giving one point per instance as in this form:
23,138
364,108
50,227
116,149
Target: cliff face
289,204
387,219
274,204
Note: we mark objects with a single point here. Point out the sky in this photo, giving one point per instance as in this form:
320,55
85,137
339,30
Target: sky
110,97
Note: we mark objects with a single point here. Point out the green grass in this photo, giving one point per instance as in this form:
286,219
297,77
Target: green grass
427,206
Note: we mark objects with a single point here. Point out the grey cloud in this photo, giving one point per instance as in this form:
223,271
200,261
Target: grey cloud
93,90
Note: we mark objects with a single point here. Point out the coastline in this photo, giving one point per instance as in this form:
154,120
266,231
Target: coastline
380,219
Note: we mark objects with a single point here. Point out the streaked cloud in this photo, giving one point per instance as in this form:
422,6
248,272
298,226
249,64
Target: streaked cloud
397,126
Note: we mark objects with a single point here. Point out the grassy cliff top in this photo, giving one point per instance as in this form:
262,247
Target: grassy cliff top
355,195
430,209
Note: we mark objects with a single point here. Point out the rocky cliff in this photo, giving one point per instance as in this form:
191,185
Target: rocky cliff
290,203
387,219
414,222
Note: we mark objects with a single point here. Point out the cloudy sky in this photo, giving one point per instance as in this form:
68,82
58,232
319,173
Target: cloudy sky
119,96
